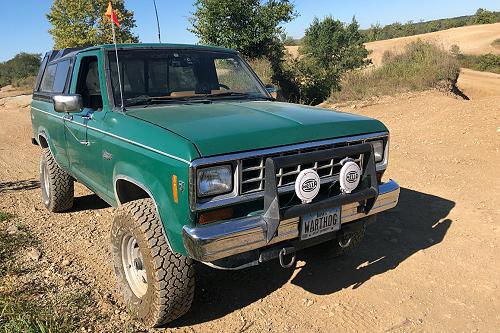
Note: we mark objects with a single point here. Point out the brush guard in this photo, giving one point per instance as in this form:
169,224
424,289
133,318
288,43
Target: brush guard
366,193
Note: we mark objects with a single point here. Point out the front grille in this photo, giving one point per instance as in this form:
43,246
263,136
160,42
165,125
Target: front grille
252,172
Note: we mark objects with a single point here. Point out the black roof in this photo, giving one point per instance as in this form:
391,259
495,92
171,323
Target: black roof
58,54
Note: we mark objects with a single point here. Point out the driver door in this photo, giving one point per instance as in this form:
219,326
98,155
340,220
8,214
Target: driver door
83,144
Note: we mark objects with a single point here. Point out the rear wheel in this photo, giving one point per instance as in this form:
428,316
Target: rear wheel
57,185
157,284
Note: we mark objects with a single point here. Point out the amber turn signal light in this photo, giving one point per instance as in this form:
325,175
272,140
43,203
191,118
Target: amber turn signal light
175,192
216,215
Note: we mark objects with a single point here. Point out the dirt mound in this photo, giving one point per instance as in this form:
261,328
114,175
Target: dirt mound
17,101
474,39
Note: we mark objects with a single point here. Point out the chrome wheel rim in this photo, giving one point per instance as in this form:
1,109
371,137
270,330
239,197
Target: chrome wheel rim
133,265
46,182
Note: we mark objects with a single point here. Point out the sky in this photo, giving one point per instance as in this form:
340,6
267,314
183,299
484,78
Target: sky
24,26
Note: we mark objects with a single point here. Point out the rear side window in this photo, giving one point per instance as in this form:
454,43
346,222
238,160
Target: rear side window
61,76
54,78
48,78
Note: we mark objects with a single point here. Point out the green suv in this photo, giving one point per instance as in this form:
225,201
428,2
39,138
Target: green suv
202,163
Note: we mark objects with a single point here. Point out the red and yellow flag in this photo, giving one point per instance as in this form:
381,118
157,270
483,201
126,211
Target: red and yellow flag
111,14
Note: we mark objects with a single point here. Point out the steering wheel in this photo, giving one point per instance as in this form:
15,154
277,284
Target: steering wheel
224,86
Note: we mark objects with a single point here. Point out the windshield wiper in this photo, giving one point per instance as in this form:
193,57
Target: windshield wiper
148,100
239,95
228,94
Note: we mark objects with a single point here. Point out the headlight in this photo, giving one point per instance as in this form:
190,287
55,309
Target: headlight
378,149
215,180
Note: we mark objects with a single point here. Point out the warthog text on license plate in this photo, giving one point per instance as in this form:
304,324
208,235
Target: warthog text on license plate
319,223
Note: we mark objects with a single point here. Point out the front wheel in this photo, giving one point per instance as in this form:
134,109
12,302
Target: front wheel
157,284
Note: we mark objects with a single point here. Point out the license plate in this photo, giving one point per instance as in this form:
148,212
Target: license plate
320,223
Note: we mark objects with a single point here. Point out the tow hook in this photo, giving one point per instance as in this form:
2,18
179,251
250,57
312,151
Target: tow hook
343,243
285,251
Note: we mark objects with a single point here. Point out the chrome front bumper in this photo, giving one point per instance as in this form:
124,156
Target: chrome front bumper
213,242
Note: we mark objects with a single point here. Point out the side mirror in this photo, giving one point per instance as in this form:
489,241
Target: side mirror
67,103
272,90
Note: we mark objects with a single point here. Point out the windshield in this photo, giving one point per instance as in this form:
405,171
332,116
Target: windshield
165,75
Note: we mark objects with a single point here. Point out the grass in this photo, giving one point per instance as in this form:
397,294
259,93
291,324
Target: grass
421,66
24,307
485,62
5,216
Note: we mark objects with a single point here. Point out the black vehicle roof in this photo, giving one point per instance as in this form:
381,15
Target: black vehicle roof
55,55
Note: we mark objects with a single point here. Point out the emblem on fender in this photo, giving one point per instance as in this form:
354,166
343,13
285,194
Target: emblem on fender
307,185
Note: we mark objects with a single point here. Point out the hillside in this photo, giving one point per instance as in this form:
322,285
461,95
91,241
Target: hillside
474,39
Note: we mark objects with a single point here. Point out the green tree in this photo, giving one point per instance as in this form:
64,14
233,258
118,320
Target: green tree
484,16
22,66
252,27
329,49
80,23
332,44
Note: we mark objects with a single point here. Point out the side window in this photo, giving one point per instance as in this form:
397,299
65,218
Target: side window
231,74
61,76
48,78
54,78
88,85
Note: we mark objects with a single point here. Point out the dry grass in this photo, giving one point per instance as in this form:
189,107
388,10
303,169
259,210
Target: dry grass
421,66
263,69
22,306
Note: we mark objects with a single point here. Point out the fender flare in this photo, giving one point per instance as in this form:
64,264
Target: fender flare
145,189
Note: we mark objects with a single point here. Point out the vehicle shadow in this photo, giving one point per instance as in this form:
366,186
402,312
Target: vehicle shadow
417,223
88,202
20,185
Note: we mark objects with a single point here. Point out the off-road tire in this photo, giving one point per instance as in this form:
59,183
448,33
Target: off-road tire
58,190
170,276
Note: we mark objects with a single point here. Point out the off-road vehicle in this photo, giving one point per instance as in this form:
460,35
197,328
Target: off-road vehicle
202,164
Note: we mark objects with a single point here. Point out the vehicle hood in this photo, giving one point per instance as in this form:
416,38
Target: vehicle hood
228,127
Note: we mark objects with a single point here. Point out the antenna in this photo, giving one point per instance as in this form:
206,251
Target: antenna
157,21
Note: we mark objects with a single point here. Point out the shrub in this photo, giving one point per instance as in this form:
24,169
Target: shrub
19,68
496,43
263,68
485,62
421,66
329,49
25,83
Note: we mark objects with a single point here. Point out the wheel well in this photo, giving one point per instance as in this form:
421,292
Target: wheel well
43,142
127,191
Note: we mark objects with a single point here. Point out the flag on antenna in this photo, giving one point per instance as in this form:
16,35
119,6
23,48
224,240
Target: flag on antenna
111,14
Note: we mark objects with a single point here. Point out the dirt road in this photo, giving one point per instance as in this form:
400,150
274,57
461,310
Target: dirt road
477,85
430,265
